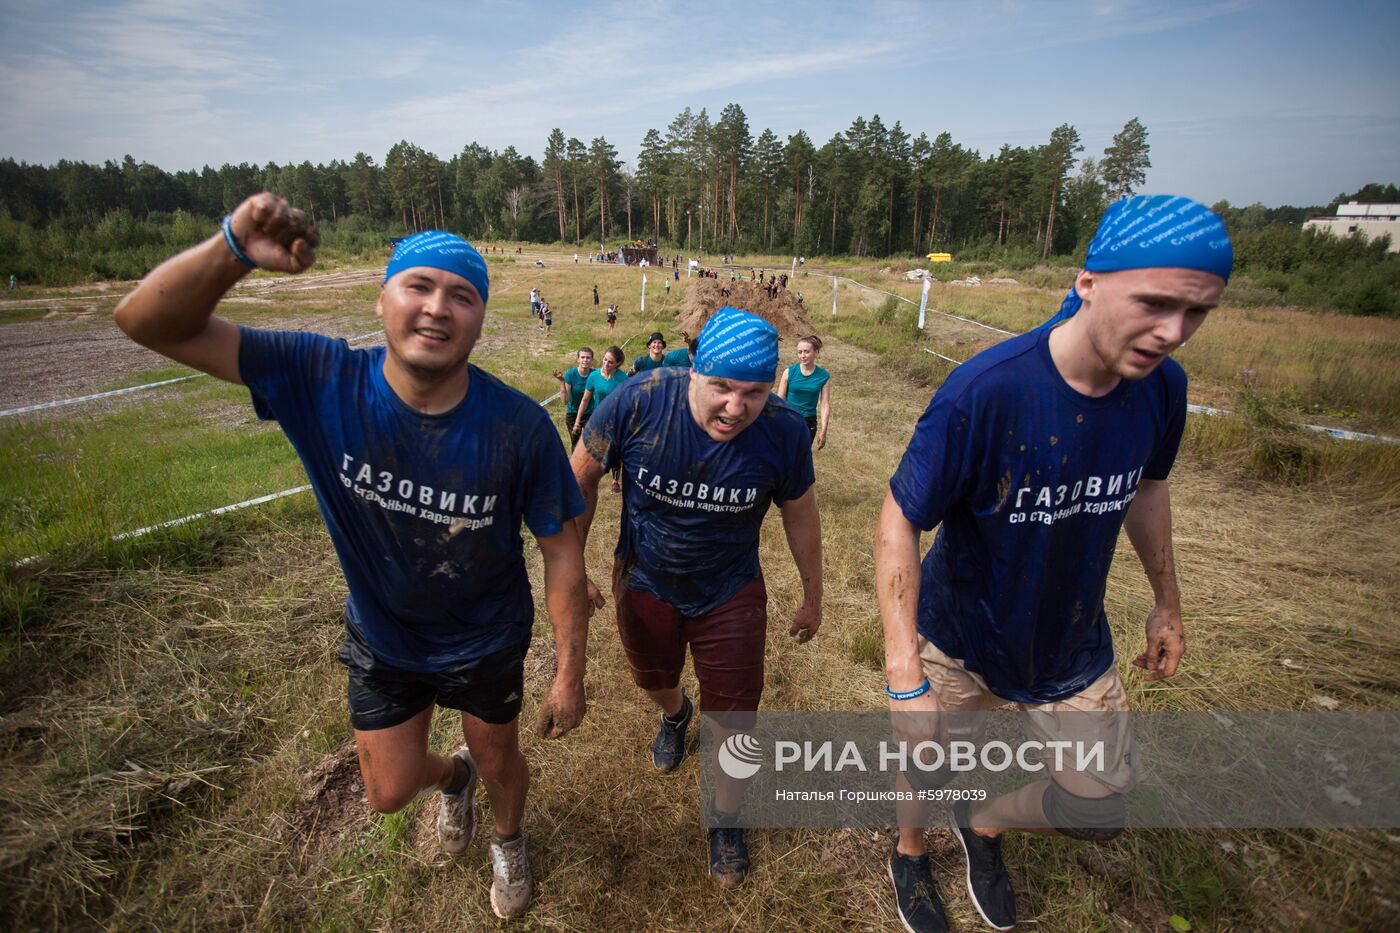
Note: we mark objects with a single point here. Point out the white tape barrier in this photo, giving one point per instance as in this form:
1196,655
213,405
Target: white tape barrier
221,510
958,317
42,406
1338,433
88,398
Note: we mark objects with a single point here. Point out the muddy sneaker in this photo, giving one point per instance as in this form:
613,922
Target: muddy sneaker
729,857
988,884
511,882
915,895
668,749
457,812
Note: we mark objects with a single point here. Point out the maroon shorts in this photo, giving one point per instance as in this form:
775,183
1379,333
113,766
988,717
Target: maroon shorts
726,645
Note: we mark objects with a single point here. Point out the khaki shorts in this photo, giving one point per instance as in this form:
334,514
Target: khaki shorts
960,690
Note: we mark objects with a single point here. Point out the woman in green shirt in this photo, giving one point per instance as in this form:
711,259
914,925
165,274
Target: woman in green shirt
571,386
601,383
807,387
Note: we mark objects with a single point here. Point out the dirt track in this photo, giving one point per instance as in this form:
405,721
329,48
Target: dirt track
77,350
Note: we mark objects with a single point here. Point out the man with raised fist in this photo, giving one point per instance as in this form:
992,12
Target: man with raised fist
424,467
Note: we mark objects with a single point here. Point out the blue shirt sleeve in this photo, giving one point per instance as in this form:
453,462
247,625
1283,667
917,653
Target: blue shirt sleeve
283,369
1160,466
546,484
931,475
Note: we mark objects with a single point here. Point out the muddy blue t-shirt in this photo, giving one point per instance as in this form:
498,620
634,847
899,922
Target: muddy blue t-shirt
1031,481
693,506
424,510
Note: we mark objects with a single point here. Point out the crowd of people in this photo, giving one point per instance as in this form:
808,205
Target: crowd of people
413,471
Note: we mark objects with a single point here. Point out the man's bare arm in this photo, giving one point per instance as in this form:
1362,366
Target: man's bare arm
1149,527
171,311
564,594
588,472
802,523
897,590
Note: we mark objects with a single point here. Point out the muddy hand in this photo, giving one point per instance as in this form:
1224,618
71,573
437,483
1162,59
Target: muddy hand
805,622
276,235
562,710
1166,643
595,597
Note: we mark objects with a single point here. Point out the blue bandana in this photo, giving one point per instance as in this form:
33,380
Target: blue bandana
1154,231
738,345
445,251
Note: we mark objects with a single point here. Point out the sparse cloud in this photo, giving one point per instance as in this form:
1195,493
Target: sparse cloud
182,83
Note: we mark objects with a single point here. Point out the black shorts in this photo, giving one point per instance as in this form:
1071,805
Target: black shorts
381,695
812,426
569,423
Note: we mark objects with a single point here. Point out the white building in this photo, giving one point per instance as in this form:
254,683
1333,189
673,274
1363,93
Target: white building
1368,220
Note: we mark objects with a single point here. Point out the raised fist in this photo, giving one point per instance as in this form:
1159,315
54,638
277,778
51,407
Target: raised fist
274,234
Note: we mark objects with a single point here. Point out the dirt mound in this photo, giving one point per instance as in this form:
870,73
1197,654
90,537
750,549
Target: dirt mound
703,298
330,803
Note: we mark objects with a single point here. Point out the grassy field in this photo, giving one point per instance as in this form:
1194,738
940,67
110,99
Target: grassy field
174,748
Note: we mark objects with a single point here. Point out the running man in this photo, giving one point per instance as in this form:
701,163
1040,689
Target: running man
807,387
1032,455
655,355
705,452
572,385
424,468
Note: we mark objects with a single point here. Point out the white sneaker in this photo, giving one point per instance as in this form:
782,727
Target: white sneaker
511,882
457,813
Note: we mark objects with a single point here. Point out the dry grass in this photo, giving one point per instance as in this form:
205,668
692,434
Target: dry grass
173,742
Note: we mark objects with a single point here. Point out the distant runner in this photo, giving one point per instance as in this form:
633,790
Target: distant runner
653,358
705,452
601,384
572,385
682,356
807,387
424,468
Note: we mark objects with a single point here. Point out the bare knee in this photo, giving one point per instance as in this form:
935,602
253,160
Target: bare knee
498,764
389,797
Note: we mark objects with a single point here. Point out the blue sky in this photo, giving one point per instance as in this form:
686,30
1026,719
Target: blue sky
1245,100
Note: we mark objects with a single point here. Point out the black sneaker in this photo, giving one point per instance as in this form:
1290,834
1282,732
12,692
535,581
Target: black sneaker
988,884
729,857
668,751
915,894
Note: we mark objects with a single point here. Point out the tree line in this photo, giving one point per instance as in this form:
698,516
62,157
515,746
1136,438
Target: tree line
702,183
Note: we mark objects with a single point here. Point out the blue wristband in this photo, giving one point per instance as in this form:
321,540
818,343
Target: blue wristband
918,691
232,241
